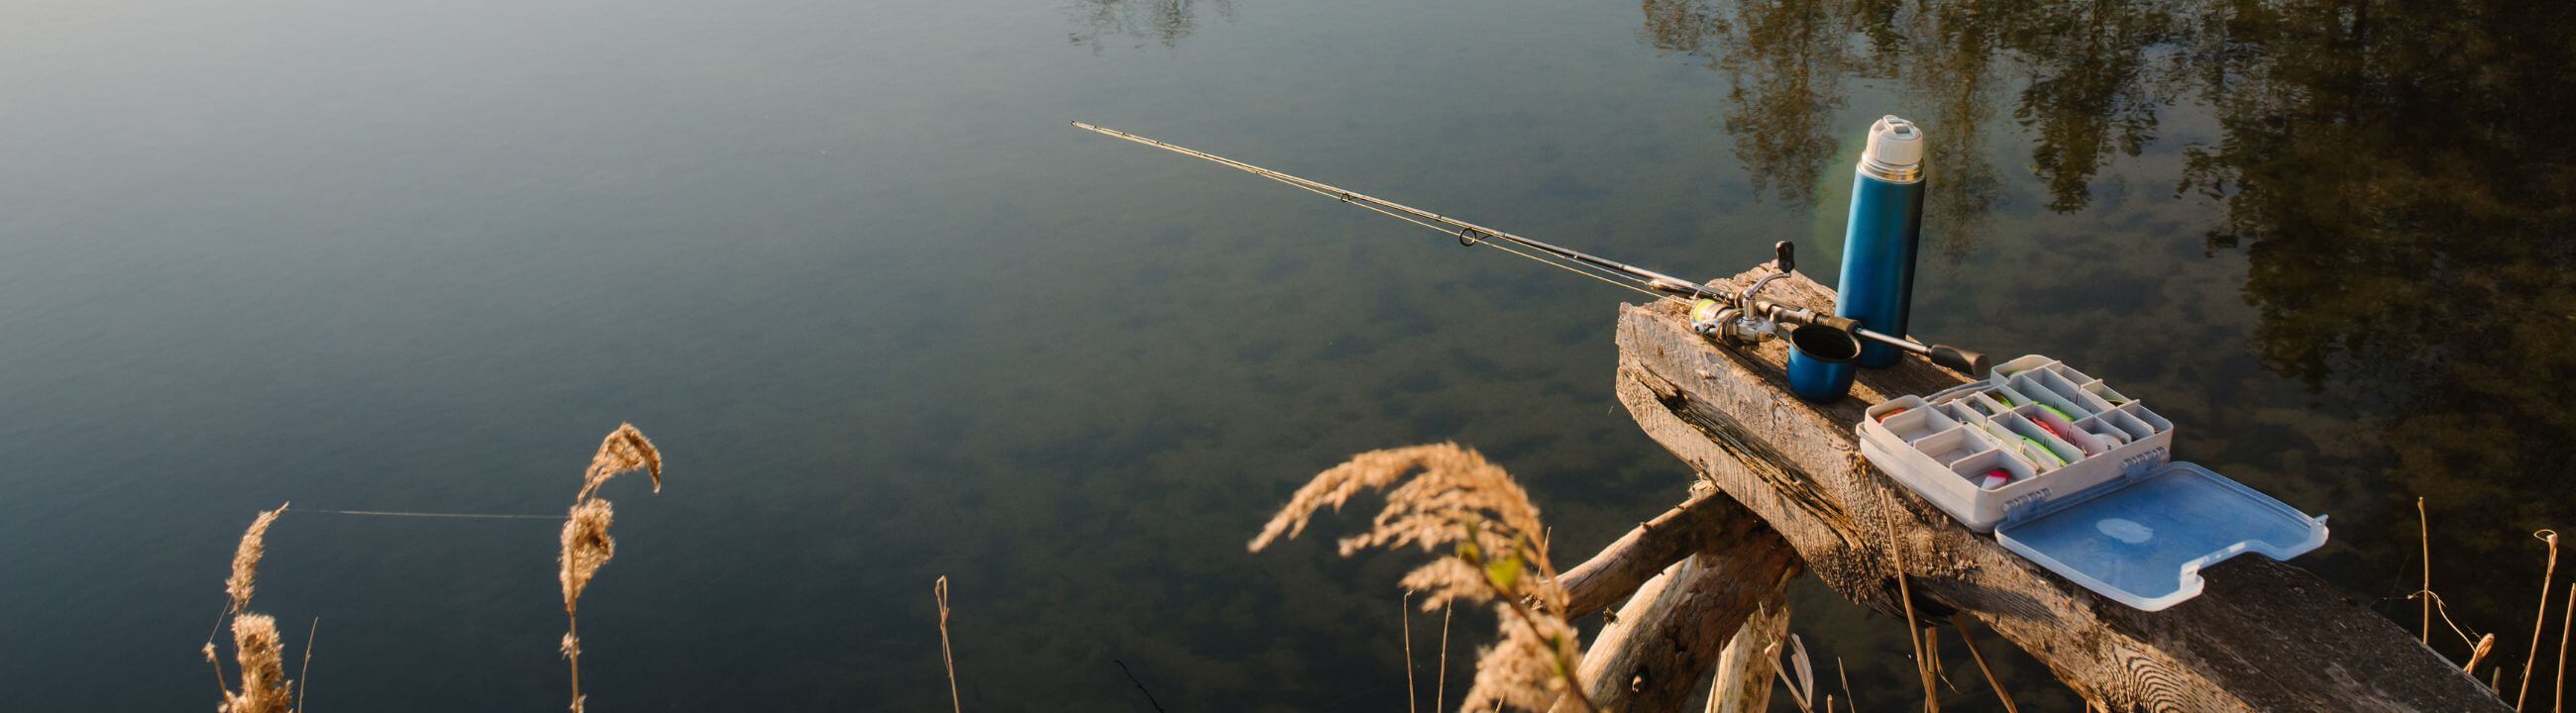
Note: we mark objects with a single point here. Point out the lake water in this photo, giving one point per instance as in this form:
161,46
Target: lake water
890,318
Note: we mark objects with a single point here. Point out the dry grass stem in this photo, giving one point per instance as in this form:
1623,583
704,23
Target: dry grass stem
254,542
1932,648
2424,533
947,656
1444,495
2478,654
2538,619
2566,623
1904,590
304,678
1971,644
1404,618
1849,700
2444,608
1802,686
1440,690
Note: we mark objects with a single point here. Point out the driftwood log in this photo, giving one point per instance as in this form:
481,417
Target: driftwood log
1708,521
1656,652
2264,636
1747,666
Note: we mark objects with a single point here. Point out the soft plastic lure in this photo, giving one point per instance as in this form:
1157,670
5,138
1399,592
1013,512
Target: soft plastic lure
2043,450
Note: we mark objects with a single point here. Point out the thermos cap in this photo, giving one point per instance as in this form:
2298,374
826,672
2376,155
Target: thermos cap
1895,148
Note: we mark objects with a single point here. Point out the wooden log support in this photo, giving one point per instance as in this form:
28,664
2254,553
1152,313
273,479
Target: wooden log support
1657,652
1707,519
2264,636
1746,667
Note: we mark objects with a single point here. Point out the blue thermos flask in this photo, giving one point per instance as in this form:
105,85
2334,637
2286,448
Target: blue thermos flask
1878,256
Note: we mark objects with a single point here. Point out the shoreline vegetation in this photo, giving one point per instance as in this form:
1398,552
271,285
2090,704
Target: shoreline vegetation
1491,550
586,546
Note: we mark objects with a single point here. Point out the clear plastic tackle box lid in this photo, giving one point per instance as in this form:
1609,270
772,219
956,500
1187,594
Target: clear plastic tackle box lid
2145,542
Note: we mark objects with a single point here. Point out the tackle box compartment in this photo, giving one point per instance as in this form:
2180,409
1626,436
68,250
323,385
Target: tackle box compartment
2057,432
2089,487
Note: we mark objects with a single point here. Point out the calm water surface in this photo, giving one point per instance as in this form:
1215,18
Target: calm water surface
892,319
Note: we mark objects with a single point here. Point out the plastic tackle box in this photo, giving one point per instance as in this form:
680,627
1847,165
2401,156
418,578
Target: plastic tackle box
2079,478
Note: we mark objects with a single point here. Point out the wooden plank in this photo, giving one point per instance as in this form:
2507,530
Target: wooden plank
1628,562
2264,636
1656,652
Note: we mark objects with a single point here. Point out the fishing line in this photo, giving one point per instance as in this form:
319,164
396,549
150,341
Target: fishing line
441,515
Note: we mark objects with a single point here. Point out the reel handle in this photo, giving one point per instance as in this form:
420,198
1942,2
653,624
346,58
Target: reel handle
1959,360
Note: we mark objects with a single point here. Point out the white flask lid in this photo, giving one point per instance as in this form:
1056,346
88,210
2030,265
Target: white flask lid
1894,143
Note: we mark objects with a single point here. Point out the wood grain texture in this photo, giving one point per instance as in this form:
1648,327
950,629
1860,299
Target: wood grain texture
2263,636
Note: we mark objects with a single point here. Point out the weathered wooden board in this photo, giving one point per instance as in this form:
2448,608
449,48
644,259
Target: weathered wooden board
2264,636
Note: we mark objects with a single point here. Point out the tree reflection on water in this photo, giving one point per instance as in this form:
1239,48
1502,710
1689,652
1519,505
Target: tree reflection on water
1098,22
2399,177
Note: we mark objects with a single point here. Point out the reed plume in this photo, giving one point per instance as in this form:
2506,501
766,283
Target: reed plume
258,650
254,543
586,544
586,547
261,655
1451,496
625,450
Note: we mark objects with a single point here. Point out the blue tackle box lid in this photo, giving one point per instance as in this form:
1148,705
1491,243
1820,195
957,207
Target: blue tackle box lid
2143,542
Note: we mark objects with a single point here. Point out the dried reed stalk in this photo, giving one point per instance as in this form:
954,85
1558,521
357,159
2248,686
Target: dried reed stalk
304,677
1440,690
2538,619
2424,531
1801,687
585,540
1971,644
2566,623
1450,496
2485,644
1904,591
947,656
1849,700
1404,619
258,651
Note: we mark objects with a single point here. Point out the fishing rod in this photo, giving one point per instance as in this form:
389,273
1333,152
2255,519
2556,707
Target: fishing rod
1738,315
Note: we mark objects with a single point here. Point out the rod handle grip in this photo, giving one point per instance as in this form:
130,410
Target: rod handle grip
1959,360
